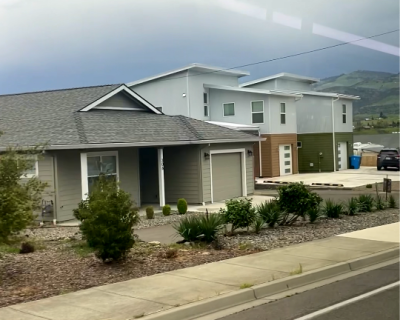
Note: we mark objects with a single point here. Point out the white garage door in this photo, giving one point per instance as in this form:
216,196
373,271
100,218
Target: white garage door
226,176
285,159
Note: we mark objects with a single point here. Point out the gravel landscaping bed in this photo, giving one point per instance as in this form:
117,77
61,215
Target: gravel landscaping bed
65,264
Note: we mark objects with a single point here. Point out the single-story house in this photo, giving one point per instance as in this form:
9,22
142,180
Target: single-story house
111,129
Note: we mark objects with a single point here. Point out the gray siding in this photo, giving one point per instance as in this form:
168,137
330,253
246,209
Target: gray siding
314,115
206,179
243,115
166,93
121,100
182,174
46,174
286,84
266,85
69,188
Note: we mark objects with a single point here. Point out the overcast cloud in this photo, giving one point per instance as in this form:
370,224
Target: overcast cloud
47,44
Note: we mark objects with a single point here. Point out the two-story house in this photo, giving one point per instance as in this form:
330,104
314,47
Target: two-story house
324,122
214,95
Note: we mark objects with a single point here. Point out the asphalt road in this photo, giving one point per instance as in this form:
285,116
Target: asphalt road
382,306
336,195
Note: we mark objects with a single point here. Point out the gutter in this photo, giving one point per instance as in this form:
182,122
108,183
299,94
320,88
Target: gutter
333,133
143,144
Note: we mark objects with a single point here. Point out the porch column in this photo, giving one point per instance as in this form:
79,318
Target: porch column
161,183
84,176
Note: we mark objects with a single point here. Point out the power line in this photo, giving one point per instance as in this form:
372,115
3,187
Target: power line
284,57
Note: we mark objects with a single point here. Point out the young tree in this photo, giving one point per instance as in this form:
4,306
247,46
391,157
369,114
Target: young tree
19,196
108,216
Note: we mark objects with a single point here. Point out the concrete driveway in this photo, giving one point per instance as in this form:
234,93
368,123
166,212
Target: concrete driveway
350,178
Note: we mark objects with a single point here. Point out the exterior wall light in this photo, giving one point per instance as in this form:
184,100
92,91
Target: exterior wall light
206,156
249,153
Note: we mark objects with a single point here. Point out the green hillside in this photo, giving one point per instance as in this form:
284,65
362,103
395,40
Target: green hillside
379,91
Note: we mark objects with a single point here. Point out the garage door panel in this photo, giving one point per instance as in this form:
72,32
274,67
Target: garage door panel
226,176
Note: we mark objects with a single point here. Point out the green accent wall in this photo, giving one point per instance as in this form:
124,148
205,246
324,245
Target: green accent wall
314,143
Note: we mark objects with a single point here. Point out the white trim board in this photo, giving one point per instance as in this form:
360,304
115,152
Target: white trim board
243,168
114,92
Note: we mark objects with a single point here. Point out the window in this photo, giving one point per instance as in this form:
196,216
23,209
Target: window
206,111
257,111
299,144
33,168
159,109
283,113
205,97
102,163
229,109
344,113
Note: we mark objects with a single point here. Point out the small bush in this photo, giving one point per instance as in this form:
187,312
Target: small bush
166,210
392,203
270,212
295,199
239,212
380,203
332,209
351,206
258,224
246,285
314,214
369,186
182,206
199,227
171,253
26,247
107,217
150,212
366,203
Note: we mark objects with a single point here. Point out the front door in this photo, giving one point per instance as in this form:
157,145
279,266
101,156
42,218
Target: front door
285,159
342,156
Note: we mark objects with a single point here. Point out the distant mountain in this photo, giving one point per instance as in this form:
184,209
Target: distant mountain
379,91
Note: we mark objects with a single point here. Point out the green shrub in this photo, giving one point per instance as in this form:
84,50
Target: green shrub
166,210
258,224
295,199
380,203
314,214
239,212
182,206
352,206
392,203
270,212
18,200
366,202
332,209
369,186
150,212
107,218
199,227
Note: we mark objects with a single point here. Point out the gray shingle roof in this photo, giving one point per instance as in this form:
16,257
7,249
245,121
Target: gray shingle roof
53,117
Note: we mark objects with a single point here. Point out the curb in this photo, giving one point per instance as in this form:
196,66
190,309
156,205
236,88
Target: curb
235,298
327,184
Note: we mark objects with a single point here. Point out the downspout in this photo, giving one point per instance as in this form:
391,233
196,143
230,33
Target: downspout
259,152
333,134
187,93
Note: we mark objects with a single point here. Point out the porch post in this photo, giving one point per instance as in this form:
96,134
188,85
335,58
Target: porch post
84,176
161,183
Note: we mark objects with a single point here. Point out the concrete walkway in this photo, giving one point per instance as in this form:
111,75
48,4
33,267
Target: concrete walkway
135,298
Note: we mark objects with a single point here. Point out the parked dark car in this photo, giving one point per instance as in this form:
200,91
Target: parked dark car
388,157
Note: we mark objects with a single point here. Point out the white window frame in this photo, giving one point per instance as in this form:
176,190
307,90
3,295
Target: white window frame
32,175
84,169
223,109
281,113
251,109
344,113
243,168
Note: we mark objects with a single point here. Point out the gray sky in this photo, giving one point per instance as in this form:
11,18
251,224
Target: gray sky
47,44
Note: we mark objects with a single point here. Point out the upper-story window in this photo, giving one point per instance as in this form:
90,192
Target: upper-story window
229,109
257,111
205,101
283,113
205,97
344,113
205,110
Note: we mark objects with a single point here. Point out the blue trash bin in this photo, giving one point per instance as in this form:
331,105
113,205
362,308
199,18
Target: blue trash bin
355,162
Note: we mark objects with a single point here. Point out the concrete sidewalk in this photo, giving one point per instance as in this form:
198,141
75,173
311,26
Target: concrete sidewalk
138,297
